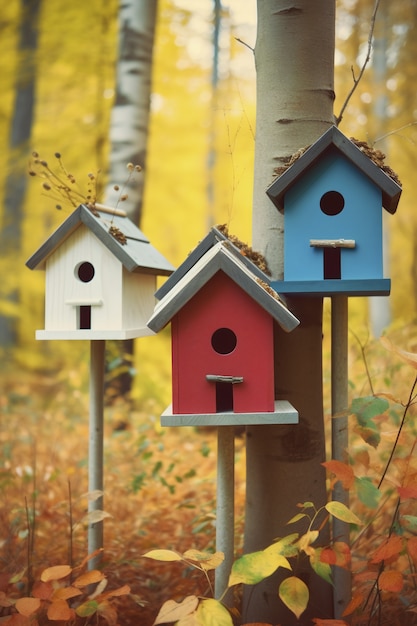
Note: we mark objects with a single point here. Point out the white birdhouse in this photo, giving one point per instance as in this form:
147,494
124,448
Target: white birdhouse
100,277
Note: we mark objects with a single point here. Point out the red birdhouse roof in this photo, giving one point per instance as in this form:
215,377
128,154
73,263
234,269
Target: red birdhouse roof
221,257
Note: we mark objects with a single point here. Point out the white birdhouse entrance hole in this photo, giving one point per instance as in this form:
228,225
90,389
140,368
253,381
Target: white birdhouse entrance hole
85,273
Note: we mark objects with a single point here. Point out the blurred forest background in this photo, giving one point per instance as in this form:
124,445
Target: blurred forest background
199,167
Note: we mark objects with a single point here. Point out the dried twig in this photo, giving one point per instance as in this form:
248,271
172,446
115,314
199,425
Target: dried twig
357,80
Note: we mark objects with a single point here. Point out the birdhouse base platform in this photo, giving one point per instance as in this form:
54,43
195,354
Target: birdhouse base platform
132,333
330,287
284,413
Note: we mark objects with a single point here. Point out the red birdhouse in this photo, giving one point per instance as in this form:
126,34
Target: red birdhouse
222,316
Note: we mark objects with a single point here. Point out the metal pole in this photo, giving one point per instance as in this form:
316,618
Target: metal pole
95,449
225,517
339,379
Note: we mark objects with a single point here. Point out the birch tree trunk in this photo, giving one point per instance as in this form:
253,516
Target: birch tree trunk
129,128
294,57
130,114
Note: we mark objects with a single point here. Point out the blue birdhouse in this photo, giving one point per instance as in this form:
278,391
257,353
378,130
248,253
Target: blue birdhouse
333,198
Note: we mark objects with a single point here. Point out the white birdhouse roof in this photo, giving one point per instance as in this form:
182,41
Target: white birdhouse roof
128,243
221,257
336,140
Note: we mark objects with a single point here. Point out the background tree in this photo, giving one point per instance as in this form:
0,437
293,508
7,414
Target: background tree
129,127
294,58
18,150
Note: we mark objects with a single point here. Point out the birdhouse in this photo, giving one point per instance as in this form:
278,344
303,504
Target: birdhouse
100,277
222,314
333,198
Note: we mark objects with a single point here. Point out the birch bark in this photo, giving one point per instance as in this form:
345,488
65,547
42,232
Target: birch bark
294,58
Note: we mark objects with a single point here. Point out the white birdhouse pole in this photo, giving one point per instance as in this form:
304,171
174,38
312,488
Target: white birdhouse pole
95,452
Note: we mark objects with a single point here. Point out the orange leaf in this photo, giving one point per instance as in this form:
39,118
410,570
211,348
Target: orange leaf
354,604
408,492
42,590
64,593
59,610
342,472
93,576
391,580
389,549
338,555
120,591
412,548
27,606
55,573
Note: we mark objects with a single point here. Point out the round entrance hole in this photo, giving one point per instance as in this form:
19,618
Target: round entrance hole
332,203
223,341
85,272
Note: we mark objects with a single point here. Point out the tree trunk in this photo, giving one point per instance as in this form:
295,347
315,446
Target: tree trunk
130,115
19,140
129,129
294,61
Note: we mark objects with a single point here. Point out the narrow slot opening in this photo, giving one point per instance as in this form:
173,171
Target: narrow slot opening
224,397
84,317
332,263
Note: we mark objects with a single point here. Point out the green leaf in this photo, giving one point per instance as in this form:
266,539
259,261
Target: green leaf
367,492
366,409
87,608
212,613
206,560
322,569
409,522
285,546
253,567
294,594
297,518
340,511
163,555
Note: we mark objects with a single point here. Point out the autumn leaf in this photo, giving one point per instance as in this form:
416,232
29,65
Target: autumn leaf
94,517
340,511
212,613
354,604
410,491
163,555
172,611
366,409
339,554
88,578
206,560
388,549
65,593
321,568
59,610
294,594
251,568
55,573
87,608
391,580
342,472
42,590
305,541
367,492
27,606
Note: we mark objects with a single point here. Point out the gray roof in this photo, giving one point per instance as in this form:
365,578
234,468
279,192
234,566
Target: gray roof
333,139
220,257
214,236
137,254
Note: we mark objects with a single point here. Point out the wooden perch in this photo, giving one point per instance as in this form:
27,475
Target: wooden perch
332,243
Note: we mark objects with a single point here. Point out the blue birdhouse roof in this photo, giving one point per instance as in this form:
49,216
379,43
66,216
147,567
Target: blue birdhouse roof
117,232
334,140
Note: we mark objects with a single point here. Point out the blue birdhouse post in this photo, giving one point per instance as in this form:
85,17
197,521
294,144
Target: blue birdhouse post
333,197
